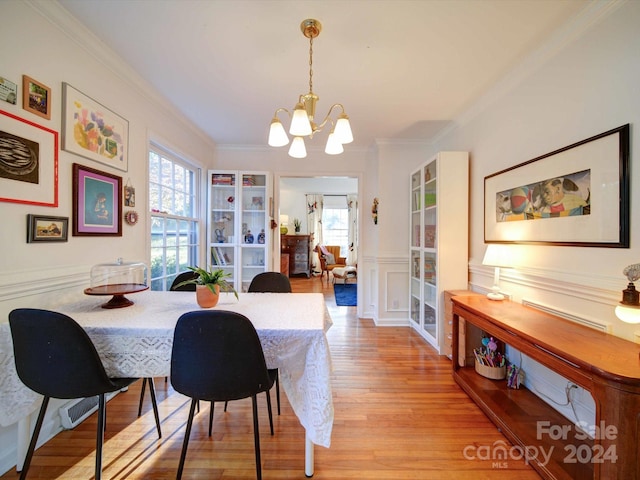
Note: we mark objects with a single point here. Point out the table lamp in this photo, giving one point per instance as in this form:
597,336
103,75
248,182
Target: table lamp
499,257
628,310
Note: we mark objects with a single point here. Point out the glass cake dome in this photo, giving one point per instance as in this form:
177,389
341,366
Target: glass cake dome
117,279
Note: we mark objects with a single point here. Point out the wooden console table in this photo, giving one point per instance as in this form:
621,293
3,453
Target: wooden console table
606,366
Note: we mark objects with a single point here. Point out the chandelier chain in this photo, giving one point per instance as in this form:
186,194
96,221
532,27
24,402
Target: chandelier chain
311,64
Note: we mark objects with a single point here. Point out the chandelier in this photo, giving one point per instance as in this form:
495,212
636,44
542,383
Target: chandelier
302,119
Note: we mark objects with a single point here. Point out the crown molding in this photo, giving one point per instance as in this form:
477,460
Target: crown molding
85,39
593,13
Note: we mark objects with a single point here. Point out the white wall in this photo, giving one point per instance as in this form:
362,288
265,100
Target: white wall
41,275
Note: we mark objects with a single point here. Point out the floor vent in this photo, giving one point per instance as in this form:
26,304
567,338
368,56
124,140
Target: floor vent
73,413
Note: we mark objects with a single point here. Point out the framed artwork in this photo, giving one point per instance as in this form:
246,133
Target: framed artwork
8,91
97,202
91,130
28,162
575,196
36,97
41,228
129,196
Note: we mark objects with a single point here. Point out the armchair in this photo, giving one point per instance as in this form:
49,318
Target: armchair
330,258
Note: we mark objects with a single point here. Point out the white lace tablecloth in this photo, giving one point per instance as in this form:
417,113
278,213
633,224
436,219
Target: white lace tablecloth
136,341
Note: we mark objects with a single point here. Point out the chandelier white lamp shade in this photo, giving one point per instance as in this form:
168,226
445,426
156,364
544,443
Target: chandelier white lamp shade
628,310
297,148
302,117
497,256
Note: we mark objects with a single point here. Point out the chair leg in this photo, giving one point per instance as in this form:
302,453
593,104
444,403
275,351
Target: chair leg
154,404
34,438
278,390
256,436
211,418
102,417
142,389
185,443
268,394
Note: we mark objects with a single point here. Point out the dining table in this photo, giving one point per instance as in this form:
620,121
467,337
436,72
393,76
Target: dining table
136,341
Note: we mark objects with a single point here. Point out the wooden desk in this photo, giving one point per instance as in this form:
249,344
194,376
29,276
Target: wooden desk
606,366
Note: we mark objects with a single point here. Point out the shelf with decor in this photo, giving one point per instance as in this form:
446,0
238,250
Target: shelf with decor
238,230
438,217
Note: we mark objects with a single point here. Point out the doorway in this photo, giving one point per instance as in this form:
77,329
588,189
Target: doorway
291,203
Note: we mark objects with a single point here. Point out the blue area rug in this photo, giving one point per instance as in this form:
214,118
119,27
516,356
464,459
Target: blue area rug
346,294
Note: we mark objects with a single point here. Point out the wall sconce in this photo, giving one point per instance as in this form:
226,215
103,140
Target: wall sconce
499,257
629,308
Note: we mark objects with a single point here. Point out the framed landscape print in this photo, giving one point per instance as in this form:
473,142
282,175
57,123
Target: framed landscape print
575,196
97,202
36,97
91,130
41,228
28,162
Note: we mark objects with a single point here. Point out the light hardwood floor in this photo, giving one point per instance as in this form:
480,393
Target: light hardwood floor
398,415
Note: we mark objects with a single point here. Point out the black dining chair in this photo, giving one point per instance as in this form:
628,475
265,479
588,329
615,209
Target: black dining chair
56,358
274,282
175,287
217,356
183,277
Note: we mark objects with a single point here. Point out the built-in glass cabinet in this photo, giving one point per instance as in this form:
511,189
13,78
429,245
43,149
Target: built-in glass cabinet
439,243
238,228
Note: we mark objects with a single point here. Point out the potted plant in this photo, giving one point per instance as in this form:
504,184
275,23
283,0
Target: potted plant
296,225
208,285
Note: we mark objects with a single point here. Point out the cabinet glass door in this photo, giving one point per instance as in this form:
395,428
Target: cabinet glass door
415,209
415,286
430,316
253,201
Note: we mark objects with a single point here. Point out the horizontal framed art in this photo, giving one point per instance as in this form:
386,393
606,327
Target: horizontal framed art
41,228
575,196
97,202
28,162
36,97
91,130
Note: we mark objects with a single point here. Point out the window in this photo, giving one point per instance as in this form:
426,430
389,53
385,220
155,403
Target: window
335,222
173,200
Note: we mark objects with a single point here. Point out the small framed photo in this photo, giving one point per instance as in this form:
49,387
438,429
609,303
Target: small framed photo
36,97
45,228
97,202
8,91
129,196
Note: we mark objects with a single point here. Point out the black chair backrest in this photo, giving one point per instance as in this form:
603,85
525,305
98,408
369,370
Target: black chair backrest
217,356
270,282
183,277
54,356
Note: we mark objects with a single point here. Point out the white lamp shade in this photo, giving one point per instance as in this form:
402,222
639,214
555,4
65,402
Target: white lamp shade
334,147
300,124
628,314
343,130
297,148
497,256
284,219
277,135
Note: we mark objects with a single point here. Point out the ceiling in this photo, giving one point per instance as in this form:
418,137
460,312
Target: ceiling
403,69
